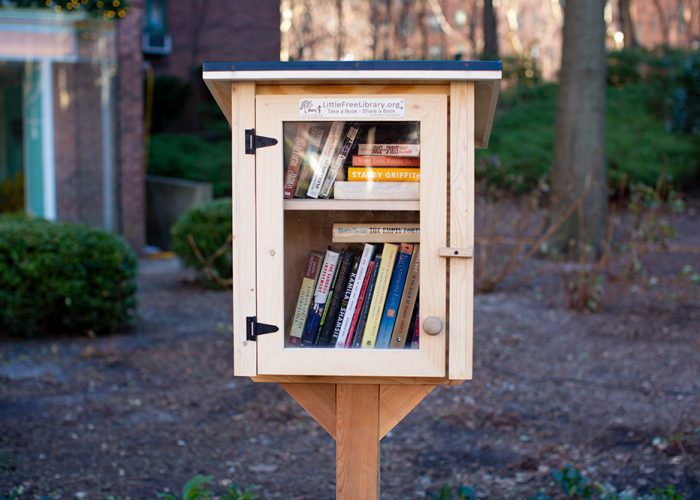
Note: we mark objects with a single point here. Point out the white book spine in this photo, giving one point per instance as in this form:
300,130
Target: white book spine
366,258
388,149
325,161
339,160
345,190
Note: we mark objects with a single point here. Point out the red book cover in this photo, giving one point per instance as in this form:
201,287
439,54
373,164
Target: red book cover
360,300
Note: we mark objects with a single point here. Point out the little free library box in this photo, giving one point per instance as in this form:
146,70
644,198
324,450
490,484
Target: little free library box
353,235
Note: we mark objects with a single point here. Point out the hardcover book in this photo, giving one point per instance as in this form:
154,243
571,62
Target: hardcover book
408,302
385,161
323,286
378,232
345,190
324,162
335,298
362,321
389,149
363,264
295,159
309,163
306,292
358,308
393,297
339,160
383,174
381,288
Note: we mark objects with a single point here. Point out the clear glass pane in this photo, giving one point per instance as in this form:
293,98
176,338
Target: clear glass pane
351,234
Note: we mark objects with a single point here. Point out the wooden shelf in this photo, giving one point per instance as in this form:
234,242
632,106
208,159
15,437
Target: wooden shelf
388,205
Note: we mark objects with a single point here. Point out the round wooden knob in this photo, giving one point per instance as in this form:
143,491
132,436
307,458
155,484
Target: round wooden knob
432,325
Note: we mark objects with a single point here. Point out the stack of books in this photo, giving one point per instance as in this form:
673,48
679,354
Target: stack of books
382,171
366,299
315,165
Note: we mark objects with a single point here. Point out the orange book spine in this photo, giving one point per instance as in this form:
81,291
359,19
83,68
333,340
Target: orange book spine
357,174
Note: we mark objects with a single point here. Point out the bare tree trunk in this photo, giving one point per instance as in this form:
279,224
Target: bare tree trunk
627,24
665,32
490,31
340,42
579,152
374,21
422,29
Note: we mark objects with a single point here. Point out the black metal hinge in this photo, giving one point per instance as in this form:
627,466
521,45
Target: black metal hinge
253,328
253,142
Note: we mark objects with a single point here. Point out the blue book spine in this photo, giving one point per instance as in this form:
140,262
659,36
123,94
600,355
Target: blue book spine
393,296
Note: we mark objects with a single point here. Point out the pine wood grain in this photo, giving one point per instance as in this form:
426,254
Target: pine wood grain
242,111
461,229
318,400
397,401
357,442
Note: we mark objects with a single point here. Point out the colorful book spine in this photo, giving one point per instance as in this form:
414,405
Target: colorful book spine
387,232
296,159
309,163
345,190
306,292
385,161
379,297
335,298
344,304
358,309
391,174
389,149
393,296
408,302
363,264
362,321
415,340
323,287
324,162
339,160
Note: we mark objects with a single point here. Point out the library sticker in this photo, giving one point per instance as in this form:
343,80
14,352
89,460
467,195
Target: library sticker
352,108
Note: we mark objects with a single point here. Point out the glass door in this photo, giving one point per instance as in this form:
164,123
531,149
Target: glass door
351,212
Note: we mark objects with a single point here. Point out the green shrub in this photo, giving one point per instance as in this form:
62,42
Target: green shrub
192,158
640,148
202,239
63,278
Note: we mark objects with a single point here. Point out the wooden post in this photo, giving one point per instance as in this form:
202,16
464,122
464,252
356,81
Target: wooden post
358,416
357,441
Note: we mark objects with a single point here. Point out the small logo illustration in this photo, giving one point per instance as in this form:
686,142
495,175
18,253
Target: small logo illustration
307,107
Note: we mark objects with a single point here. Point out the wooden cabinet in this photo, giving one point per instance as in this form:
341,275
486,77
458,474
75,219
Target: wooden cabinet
445,110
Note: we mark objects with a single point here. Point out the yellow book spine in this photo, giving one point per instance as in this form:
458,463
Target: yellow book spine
392,174
376,307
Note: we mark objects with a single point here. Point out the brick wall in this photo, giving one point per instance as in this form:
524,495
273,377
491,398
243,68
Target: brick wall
227,30
129,128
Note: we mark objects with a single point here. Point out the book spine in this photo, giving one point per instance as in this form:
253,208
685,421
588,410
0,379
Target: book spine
392,174
385,161
378,298
335,298
296,159
358,309
363,264
339,160
345,190
344,304
415,339
389,149
408,301
362,321
324,162
325,278
393,297
309,163
306,292
388,232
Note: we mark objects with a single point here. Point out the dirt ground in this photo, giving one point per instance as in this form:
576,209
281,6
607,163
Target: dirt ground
616,394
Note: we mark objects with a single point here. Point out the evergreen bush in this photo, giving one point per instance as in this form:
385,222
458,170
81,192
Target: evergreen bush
202,240
63,278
